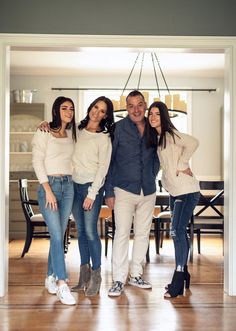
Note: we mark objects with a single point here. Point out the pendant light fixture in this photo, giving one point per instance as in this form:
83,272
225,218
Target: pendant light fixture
173,101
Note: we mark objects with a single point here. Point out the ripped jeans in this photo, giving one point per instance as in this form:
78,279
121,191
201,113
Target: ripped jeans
182,207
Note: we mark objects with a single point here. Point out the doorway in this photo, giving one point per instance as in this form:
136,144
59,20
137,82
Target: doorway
73,41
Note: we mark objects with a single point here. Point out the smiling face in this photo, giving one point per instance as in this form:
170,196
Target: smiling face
136,107
154,118
98,112
66,112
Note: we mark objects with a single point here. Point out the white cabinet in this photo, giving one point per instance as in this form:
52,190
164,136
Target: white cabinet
24,119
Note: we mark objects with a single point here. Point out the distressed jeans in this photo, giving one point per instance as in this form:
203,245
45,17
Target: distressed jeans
62,187
182,207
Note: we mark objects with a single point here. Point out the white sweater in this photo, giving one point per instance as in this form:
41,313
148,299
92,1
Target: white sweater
51,155
175,157
91,159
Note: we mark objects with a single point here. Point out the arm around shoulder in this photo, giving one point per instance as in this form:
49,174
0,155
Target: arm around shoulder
39,147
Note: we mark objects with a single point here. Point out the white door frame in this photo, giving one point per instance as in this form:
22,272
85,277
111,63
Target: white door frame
227,44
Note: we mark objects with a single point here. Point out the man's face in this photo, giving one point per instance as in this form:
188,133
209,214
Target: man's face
136,108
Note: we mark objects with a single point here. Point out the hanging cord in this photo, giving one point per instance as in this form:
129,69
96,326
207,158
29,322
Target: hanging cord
130,73
140,73
162,73
155,74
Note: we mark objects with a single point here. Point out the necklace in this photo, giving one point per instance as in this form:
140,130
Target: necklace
92,129
58,134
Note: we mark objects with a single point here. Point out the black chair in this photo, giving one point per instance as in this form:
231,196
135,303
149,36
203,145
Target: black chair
110,229
35,222
208,216
162,220
162,225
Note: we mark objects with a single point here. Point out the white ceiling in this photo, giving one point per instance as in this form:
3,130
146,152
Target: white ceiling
116,61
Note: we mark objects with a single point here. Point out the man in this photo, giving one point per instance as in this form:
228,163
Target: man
131,191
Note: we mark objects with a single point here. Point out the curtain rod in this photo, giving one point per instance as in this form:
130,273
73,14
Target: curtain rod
130,89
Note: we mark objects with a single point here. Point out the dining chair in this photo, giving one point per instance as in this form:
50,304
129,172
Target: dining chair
161,220
109,230
105,214
35,223
208,217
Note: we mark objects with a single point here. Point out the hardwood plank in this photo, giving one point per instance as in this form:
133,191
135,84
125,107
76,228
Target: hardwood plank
28,306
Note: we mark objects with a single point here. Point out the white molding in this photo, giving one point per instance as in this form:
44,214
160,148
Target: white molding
4,167
230,172
76,41
204,44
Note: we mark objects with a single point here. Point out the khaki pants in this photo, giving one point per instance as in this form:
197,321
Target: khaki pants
137,209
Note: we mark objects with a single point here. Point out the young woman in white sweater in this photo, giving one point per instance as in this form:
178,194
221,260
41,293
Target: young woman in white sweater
52,153
91,160
175,150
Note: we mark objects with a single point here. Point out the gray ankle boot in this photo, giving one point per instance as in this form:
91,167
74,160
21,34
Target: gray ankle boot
84,278
95,283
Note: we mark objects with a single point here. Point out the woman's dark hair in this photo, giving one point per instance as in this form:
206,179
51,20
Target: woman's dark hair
56,118
106,124
166,126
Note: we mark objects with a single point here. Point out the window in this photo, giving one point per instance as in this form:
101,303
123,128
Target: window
180,121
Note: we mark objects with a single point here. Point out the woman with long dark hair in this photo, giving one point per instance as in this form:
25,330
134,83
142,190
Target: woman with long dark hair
91,160
175,150
52,154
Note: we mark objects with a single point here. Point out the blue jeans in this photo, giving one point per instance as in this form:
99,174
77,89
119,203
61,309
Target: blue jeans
88,239
182,207
62,187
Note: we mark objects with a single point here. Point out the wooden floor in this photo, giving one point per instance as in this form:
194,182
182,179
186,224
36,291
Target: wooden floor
28,306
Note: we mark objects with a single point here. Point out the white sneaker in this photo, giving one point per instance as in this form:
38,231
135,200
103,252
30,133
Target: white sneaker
64,295
116,289
51,285
139,282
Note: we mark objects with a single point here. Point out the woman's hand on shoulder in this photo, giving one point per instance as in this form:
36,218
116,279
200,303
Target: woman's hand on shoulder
44,126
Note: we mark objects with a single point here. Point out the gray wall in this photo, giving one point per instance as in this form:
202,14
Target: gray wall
129,17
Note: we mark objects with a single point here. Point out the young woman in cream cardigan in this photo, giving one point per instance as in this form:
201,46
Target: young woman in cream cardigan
175,150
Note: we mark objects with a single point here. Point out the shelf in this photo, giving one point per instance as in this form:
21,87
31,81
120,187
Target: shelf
24,132
20,153
15,175
32,109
